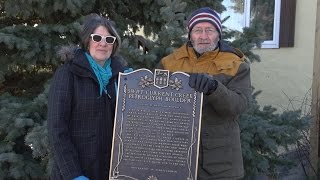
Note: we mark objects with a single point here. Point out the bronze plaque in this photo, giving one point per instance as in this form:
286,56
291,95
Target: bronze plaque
157,127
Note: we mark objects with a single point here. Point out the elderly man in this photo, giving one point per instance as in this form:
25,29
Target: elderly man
221,74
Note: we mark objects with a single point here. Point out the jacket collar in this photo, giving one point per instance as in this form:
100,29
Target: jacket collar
187,50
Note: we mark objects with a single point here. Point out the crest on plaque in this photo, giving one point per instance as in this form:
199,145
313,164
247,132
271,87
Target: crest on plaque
161,78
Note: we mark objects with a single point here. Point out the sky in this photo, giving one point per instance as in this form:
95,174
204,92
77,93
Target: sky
236,20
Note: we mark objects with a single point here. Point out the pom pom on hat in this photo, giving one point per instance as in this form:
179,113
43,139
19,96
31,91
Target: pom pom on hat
205,14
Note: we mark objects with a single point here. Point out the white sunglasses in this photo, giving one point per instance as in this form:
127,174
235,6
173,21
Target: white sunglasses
98,38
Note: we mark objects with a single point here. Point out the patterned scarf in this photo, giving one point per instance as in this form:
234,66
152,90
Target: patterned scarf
103,73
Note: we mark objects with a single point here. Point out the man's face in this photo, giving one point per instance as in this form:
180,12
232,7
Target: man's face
204,37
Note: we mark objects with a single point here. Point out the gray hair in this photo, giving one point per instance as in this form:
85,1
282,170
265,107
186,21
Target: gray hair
92,22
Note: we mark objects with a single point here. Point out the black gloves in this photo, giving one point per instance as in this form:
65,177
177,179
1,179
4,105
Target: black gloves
203,83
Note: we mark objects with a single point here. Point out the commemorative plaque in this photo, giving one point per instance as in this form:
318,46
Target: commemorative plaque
157,127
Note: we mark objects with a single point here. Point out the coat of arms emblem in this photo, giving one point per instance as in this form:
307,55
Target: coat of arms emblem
161,78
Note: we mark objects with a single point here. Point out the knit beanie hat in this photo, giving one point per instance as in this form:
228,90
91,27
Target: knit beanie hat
205,14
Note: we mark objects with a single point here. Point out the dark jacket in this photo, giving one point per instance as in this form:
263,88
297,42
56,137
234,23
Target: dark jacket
220,154
80,121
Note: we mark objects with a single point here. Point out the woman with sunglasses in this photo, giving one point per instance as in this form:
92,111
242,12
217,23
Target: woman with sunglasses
81,104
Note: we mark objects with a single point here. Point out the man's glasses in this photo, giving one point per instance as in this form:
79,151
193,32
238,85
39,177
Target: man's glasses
98,38
208,31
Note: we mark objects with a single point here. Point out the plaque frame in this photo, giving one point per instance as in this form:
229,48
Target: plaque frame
161,79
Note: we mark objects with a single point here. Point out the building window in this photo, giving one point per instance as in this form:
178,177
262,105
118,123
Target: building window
243,13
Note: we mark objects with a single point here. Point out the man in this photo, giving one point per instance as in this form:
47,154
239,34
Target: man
222,75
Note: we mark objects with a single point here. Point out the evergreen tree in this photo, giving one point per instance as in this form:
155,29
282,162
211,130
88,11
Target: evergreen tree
264,132
32,31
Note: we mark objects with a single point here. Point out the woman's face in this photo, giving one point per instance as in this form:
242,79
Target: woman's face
99,49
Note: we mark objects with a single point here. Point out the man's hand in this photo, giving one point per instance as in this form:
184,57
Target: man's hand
203,83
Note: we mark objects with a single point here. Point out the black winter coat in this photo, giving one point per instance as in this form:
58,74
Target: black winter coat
80,121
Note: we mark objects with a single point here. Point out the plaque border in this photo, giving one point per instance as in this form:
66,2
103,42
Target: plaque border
115,173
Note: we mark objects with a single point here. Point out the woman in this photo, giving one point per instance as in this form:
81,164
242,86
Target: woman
82,103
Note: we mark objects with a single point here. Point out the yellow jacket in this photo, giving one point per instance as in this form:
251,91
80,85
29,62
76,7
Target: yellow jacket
220,154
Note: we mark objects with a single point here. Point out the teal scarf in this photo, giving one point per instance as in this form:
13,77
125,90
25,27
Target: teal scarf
103,73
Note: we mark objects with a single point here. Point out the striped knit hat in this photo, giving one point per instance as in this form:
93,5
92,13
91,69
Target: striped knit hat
205,14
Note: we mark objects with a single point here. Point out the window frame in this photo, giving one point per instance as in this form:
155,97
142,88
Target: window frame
274,43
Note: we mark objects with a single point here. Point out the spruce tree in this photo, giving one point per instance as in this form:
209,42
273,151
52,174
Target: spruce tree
32,31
